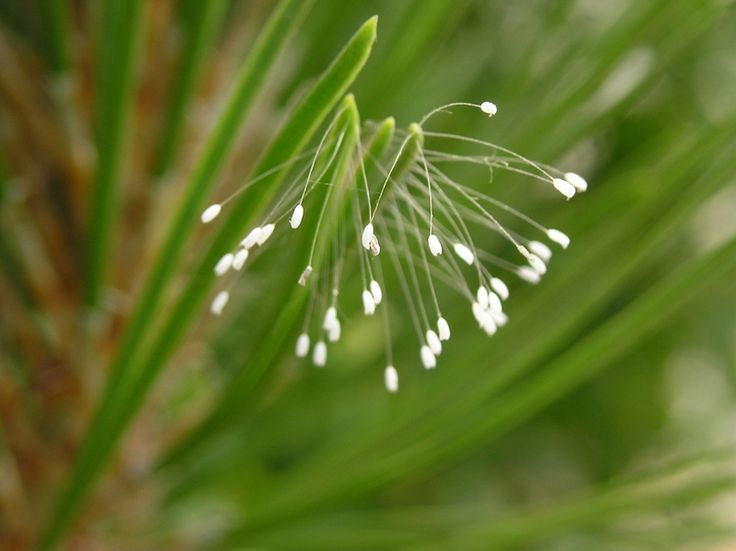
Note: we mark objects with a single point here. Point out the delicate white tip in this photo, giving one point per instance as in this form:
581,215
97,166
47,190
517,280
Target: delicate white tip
210,213
330,317
251,239
302,346
391,378
435,246
374,246
369,305
541,250
500,318
484,318
444,329
489,108
564,187
265,233
465,254
376,292
481,296
558,237
224,264
367,236
494,303
305,276
528,274
240,257
433,341
537,264
219,302
576,180
319,354
296,216
334,331
428,359
500,288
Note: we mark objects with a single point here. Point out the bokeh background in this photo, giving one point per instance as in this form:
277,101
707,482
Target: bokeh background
602,417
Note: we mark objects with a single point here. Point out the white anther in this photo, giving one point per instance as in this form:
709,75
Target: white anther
500,318
528,274
305,276
537,264
251,239
489,324
369,305
240,257
296,216
444,329
210,213
376,292
319,354
334,331
219,302
391,378
265,233
330,317
558,237
374,246
500,288
489,108
224,264
576,180
302,346
367,236
564,187
435,246
433,341
494,303
428,359
465,254
481,296
541,250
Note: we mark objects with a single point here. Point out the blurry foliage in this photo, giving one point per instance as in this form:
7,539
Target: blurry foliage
601,418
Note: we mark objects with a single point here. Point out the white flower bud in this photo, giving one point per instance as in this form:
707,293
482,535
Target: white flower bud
537,264
374,246
494,303
528,274
564,187
576,180
541,250
224,264
428,359
210,213
369,305
433,341
251,239
219,302
367,236
330,317
489,108
376,292
391,378
305,276
481,296
265,233
444,329
334,331
296,216
319,354
302,346
500,288
240,257
465,254
558,237
435,246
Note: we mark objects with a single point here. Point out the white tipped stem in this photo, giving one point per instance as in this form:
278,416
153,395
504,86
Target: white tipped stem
577,181
302,346
374,246
464,253
500,288
376,292
240,257
444,329
305,276
210,213
330,317
428,359
537,264
558,237
369,305
319,354
265,233
219,302
494,303
528,274
435,246
564,187
433,341
251,239
391,379
296,217
541,250
481,296
367,237
224,264
489,108
334,331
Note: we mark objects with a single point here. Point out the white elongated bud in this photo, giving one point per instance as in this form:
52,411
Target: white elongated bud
558,237
435,246
464,253
376,292
305,276
428,359
479,313
210,213
367,236
481,296
494,303
369,305
443,328
541,250
489,108
224,264
330,318
334,331
564,187
239,260
537,264
374,246
265,233
576,180
219,302
500,318
433,341
319,354
296,216
528,274
391,379
500,288
489,324
251,239
302,346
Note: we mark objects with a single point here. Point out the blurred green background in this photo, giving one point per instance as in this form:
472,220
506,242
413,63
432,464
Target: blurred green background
602,417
